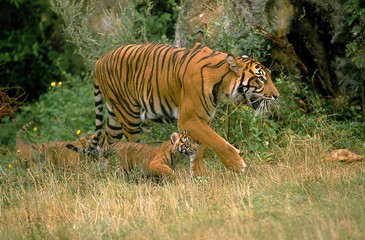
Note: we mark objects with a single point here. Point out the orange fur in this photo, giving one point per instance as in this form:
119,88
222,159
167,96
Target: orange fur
54,153
155,160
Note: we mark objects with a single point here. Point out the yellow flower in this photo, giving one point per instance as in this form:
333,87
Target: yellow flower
10,166
35,129
18,151
78,131
245,107
59,84
53,84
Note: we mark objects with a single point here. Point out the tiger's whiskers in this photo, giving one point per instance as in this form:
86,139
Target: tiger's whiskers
266,105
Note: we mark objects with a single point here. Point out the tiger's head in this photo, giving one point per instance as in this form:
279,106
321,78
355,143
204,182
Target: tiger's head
183,143
255,83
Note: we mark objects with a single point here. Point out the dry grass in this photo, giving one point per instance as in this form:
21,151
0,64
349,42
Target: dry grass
298,197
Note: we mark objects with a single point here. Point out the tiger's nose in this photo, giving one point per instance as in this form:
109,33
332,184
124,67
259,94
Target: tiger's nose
275,96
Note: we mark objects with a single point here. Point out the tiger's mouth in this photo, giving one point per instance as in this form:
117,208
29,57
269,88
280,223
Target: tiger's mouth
189,152
263,105
255,102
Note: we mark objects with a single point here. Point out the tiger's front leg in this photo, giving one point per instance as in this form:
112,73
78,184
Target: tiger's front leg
201,132
158,167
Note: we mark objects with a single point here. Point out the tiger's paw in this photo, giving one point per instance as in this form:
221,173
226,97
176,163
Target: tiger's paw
241,168
237,166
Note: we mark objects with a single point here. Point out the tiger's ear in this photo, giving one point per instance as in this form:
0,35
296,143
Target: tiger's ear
174,137
233,65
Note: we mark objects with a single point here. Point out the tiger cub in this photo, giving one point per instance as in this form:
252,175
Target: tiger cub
156,160
54,153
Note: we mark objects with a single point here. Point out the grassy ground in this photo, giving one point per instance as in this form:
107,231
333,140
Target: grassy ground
298,196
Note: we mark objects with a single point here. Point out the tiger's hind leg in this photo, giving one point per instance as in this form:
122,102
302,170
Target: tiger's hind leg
114,129
128,125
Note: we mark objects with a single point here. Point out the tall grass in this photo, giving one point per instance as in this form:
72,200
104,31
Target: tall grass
299,197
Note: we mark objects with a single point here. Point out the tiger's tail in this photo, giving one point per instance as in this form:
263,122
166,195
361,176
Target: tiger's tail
113,127
19,136
99,118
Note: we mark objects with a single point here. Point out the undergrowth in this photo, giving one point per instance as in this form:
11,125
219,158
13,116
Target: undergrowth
299,196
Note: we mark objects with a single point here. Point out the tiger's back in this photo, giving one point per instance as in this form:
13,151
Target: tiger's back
147,82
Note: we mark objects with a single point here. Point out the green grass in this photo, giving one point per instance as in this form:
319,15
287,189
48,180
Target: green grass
299,196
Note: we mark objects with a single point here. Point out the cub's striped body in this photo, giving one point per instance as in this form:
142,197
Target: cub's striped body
163,83
156,160
53,153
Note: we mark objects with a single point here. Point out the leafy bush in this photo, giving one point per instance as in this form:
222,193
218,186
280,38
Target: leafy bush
31,50
354,12
355,19
58,114
229,32
161,16
124,24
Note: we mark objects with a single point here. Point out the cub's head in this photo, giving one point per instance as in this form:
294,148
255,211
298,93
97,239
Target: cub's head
183,143
255,83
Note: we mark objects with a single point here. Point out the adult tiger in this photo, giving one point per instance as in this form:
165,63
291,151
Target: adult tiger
163,83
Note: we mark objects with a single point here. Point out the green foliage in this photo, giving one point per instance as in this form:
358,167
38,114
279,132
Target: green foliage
161,16
67,107
354,11
31,51
230,33
355,18
239,39
77,26
120,26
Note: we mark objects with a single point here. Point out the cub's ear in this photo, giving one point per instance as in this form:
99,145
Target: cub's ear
174,137
233,65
